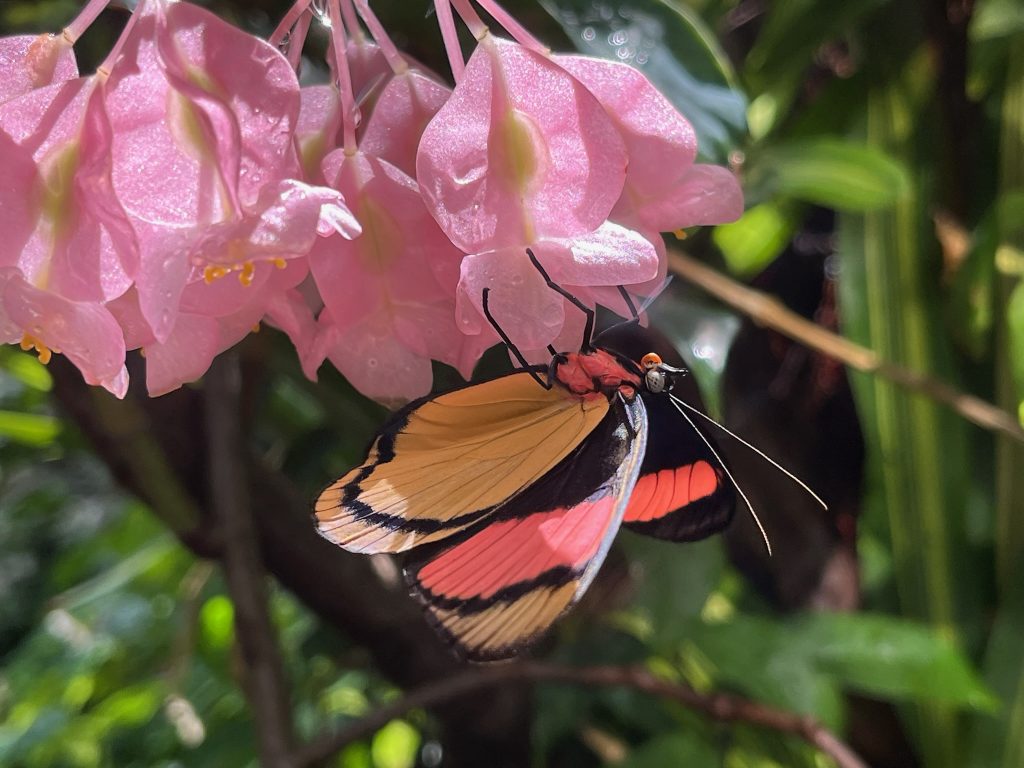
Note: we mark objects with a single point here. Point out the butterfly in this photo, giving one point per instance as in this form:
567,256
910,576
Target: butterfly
508,493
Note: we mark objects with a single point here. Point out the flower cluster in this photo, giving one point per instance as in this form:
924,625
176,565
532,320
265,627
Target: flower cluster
190,190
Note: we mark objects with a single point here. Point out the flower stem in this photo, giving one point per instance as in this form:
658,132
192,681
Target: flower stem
450,35
287,22
348,14
471,18
380,35
513,27
89,14
348,102
103,70
297,40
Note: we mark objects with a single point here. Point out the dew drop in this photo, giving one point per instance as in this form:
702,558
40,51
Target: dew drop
588,34
371,362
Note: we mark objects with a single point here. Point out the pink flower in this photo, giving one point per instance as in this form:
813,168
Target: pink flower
522,155
204,155
397,280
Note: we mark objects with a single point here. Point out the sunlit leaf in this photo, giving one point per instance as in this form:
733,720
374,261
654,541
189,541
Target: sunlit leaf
395,745
752,242
28,428
830,172
26,369
676,51
217,619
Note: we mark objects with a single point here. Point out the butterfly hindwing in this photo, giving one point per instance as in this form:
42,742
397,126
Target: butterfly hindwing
446,462
509,578
682,493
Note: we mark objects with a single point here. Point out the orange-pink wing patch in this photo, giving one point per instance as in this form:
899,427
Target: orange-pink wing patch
659,493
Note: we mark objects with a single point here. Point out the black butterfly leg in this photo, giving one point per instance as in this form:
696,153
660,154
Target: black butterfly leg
508,342
588,330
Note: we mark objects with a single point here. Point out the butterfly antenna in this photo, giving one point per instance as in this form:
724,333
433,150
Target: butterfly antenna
764,534
756,450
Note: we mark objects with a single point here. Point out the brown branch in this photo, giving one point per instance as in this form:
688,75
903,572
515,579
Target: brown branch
264,681
721,707
771,313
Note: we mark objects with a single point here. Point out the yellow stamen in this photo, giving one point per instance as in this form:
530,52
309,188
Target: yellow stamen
142,352
279,262
680,234
256,328
28,341
213,272
245,276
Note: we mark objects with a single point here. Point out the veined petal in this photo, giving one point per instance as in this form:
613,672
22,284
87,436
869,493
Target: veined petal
610,255
660,142
81,244
527,310
520,151
706,194
374,361
401,113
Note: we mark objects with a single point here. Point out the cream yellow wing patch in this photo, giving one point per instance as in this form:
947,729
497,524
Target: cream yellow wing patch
448,461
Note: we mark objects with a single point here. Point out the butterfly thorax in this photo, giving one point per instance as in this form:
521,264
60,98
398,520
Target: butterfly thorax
594,373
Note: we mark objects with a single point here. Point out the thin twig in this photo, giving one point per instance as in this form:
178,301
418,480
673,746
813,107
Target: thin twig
771,313
721,707
264,680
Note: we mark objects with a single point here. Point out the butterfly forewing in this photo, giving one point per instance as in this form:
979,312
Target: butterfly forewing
447,462
505,582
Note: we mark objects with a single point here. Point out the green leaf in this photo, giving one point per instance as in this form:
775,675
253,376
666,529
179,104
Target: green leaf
894,659
673,749
27,369
830,172
217,620
972,292
395,745
756,238
29,428
671,45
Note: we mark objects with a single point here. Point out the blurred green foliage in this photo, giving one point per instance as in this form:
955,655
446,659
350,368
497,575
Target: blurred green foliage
117,644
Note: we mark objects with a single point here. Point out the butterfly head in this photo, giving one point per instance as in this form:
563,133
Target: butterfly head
658,376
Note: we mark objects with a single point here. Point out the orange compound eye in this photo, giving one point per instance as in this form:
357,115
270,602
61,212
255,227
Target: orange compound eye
650,360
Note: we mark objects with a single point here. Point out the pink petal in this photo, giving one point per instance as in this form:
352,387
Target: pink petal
521,151
81,244
529,312
290,311
660,142
374,361
707,194
34,61
83,331
184,356
392,262
404,109
610,255
125,309
429,330
316,132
